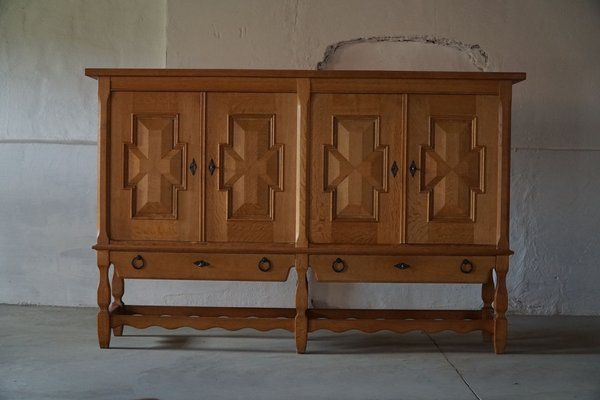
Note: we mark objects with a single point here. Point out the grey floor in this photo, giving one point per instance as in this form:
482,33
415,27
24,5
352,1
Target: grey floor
52,353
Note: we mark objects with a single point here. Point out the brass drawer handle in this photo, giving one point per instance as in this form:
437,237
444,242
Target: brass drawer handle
402,266
466,267
138,262
338,265
201,263
264,264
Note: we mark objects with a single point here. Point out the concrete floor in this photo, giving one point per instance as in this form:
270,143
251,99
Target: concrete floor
52,353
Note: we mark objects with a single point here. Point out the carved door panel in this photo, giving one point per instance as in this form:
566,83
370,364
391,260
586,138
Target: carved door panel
453,142
356,152
251,153
154,137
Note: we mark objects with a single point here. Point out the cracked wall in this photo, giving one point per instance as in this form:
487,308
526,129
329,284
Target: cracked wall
48,128
473,52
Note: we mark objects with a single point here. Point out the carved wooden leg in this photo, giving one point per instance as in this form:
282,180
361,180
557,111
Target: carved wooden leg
487,311
301,323
500,305
103,301
118,288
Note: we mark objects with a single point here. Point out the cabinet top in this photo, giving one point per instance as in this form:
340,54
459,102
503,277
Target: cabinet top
313,74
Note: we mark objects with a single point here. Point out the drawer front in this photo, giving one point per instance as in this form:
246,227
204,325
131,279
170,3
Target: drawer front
417,269
208,266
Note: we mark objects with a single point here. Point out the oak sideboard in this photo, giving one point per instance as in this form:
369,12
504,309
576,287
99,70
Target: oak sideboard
358,176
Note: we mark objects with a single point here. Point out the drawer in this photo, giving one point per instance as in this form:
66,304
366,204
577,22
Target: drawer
417,269
208,266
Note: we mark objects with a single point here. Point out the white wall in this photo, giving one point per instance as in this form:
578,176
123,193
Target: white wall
47,199
48,130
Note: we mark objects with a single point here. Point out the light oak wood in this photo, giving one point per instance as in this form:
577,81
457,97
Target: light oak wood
151,195
355,141
503,164
487,296
302,162
301,319
118,289
500,305
399,326
308,169
406,269
237,312
453,141
252,140
103,295
146,73
103,158
204,318
202,266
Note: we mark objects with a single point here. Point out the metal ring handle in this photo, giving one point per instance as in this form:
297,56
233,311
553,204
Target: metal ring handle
138,262
201,263
264,264
338,265
466,267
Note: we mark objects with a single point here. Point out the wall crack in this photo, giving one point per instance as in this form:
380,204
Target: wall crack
477,56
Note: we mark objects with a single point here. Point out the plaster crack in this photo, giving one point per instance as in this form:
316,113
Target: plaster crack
478,57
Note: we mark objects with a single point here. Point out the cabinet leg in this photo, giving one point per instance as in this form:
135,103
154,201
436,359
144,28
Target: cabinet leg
301,322
500,305
118,289
487,311
103,318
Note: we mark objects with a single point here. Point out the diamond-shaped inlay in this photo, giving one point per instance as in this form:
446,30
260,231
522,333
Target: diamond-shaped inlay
452,168
154,166
355,168
251,167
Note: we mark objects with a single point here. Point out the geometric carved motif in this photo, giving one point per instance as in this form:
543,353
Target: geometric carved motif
355,168
453,169
154,166
251,167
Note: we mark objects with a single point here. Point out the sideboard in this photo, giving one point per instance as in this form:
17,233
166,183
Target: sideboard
360,176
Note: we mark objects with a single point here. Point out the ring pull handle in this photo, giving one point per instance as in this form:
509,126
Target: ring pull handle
138,262
338,265
466,267
413,168
264,264
201,263
402,265
211,167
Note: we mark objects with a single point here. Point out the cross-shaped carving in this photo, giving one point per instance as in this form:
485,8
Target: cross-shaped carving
452,168
154,166
251,166
354,168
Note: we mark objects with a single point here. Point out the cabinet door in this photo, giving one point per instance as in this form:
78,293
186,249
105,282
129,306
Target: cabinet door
453,142
153,195
251,140
356,140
